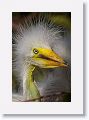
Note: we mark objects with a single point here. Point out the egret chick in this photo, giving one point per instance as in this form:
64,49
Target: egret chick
33,48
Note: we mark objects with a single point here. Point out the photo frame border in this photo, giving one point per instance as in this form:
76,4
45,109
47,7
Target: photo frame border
76,104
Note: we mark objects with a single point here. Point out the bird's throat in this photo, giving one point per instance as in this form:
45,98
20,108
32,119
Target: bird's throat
31,87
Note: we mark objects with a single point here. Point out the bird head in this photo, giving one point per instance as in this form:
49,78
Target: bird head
46,58
36,46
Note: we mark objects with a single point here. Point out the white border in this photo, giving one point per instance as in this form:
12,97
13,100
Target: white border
76,104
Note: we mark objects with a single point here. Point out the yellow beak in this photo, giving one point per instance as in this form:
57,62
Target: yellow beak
47,58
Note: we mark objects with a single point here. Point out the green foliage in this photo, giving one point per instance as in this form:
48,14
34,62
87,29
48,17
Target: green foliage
62,20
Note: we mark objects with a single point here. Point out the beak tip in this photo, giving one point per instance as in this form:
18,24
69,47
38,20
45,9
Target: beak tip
66,64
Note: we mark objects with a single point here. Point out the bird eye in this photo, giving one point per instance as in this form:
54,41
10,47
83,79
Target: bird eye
35,51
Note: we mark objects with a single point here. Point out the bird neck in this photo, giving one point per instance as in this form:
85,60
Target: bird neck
31,86
30,71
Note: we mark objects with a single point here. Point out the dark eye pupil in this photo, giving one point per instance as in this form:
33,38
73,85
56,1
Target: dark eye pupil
35,51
